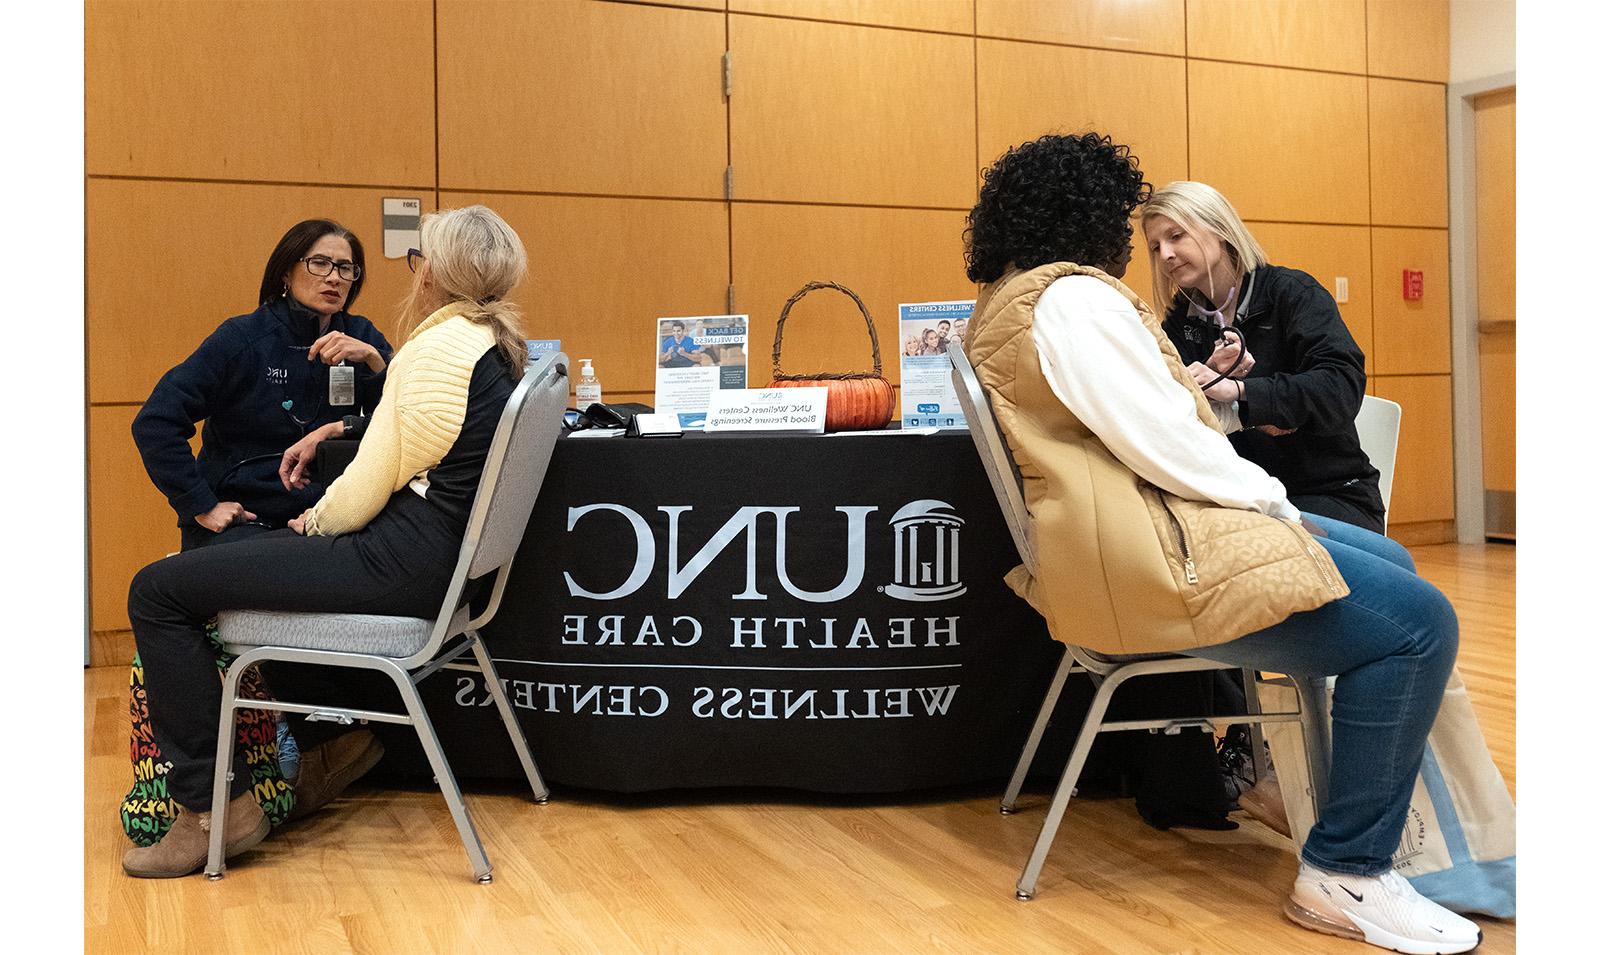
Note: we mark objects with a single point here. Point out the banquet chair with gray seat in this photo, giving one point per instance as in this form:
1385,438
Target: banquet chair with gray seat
1378,431
410,649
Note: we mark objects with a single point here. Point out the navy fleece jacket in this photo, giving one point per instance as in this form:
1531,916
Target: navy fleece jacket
251,384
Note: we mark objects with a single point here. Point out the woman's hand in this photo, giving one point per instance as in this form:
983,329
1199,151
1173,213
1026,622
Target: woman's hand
335,347
298,524
1223,390
1224,355
292,469
223,516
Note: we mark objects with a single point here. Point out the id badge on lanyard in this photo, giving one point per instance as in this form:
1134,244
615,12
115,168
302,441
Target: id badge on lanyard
342,385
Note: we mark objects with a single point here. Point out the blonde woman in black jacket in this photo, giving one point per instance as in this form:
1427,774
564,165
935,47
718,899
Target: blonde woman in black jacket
1298,382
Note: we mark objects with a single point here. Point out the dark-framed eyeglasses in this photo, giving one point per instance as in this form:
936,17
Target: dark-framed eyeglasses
414,258
321,266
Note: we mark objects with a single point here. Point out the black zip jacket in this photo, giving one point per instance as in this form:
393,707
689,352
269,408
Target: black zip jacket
251,384
1308,378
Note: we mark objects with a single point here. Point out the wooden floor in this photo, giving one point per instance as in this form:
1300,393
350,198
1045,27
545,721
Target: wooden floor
382,870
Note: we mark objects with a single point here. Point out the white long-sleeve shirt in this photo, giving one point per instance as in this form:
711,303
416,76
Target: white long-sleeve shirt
1103,364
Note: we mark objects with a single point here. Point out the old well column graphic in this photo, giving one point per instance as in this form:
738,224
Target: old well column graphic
927,552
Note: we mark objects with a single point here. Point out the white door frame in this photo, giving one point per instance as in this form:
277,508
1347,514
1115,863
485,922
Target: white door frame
1460,120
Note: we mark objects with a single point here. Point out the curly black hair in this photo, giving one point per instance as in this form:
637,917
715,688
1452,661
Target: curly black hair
1055,199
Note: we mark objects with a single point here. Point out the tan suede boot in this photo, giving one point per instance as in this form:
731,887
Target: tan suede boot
326,770
183,849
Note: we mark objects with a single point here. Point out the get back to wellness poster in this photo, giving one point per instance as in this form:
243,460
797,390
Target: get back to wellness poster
927,398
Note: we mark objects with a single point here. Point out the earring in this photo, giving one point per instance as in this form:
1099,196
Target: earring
285,292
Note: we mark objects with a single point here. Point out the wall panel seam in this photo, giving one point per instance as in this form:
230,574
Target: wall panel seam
1366,39
437,173
105,177
1276,66
848,205
663,5
1363,225
1407,79
727,141
977,109
846,23
1372,268
718,200
1081,46
1366,92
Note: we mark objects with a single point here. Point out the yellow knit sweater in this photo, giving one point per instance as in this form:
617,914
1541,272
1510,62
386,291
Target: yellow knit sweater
416,422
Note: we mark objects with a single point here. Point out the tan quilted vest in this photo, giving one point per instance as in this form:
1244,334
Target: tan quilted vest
1125,567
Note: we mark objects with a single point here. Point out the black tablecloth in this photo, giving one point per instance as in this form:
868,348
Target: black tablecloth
748,610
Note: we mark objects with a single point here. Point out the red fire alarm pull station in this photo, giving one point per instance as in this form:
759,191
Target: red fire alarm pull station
1411,284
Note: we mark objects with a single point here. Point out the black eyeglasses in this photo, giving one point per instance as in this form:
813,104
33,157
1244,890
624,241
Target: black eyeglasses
413,258
321,266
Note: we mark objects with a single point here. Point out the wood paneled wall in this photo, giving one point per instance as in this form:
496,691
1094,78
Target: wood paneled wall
855,131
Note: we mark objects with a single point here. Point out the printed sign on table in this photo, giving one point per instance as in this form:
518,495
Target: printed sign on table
768,409
695,357
927,397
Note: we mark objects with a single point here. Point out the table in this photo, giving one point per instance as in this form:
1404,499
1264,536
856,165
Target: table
817,612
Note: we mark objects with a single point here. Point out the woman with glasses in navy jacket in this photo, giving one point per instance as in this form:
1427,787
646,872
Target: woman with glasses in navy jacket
261,382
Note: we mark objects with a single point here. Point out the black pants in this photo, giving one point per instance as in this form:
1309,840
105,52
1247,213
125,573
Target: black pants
400,564
1340,509
194,536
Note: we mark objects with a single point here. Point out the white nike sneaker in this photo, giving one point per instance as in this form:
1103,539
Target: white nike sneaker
1382,910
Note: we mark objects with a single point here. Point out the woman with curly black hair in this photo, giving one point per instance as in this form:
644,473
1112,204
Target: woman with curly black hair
1020,227
1153,535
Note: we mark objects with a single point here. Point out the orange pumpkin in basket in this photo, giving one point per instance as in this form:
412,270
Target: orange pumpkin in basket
857,400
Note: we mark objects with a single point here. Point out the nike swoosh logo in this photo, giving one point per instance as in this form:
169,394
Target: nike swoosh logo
1351,894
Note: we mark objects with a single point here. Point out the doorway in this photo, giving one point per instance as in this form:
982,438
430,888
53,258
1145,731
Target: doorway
1494,117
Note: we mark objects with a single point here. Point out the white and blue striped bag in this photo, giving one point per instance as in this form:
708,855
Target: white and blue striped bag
1459,847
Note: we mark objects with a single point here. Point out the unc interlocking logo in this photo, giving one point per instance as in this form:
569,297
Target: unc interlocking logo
927,552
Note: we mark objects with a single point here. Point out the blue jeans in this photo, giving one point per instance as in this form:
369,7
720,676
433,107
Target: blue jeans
1392,644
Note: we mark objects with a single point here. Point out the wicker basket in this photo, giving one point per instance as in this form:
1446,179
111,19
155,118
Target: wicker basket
857,400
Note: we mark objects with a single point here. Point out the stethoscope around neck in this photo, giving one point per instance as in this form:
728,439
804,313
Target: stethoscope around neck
289,405
314,387
1217,316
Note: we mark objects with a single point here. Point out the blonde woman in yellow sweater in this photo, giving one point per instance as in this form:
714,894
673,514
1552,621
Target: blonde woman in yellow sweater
382,540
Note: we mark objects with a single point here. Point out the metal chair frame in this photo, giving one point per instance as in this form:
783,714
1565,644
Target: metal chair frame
1108,673
541,392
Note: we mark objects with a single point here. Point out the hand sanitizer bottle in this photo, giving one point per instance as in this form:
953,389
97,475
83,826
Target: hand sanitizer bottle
588,388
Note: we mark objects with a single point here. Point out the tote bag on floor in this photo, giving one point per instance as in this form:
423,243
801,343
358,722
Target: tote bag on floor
1459,845
147,811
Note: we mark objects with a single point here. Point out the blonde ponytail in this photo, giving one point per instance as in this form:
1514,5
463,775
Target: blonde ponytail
474,257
